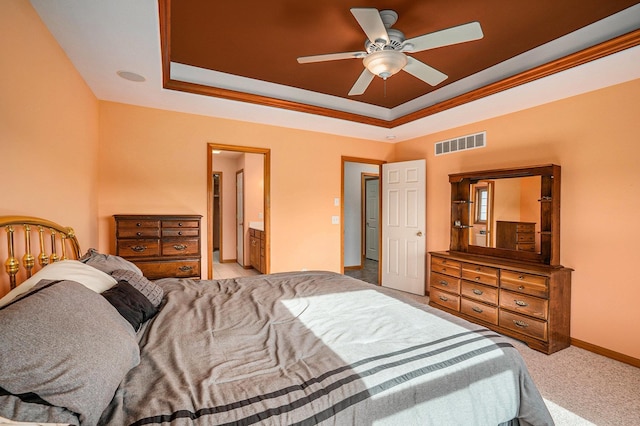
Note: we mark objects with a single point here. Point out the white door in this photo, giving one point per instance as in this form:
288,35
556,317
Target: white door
371,218
403,229
240,217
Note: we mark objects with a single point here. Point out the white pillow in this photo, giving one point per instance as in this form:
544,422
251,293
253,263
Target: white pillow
73,270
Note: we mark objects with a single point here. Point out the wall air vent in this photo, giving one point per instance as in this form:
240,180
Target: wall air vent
462,143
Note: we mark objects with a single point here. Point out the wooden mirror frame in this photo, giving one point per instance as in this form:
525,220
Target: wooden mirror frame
549,213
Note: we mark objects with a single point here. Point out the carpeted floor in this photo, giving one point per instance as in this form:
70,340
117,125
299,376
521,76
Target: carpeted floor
583,388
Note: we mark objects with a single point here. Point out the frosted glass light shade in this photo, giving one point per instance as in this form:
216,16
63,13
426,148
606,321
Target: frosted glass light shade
385,63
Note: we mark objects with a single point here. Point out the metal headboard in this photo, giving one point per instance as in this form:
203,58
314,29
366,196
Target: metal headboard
60,238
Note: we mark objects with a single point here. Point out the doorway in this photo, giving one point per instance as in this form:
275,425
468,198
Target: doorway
360,242
226,212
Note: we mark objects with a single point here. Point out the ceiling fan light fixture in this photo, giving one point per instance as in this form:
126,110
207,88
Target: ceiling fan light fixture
385,63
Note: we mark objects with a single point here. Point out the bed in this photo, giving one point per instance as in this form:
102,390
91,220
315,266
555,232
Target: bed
87,339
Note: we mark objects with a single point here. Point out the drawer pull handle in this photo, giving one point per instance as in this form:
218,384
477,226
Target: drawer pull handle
138,249
138,224
138,233
521,277
521,324
179,232
179,223
444,282
478,269
521,287
478,292
179,247
443,298
185,268
521,303
477,278
476,309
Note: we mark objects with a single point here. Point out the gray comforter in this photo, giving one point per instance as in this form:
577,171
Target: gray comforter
318,347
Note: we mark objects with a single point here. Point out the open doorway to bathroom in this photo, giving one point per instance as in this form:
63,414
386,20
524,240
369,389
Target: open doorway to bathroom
226,230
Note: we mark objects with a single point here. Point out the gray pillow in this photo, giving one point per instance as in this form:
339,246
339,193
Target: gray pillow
67,345
108,262
150,290
12,407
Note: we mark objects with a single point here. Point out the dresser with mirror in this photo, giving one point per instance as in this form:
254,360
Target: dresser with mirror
502,269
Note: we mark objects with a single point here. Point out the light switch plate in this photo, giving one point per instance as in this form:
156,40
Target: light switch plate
335,220
336,201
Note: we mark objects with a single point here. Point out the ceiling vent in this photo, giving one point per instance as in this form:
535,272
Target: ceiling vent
462,143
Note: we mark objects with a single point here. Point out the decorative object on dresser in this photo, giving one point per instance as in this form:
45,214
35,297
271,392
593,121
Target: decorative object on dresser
256,251
517,288
162,246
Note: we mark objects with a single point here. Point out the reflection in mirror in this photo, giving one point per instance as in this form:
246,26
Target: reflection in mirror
505,213
481,214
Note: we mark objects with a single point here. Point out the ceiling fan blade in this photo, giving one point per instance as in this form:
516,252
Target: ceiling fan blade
424,72
331,57
362,83
460,34
371,23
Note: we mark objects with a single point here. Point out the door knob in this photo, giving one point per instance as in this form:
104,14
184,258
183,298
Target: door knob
419,234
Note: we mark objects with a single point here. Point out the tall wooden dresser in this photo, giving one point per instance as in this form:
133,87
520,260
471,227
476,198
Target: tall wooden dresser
162,246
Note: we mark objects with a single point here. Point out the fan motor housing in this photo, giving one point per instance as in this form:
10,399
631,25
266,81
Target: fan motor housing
396,38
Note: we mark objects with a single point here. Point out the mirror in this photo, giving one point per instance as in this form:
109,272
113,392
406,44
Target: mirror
508,213
505,213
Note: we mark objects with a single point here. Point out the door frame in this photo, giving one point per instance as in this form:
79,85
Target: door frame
267,199
240,241
379,163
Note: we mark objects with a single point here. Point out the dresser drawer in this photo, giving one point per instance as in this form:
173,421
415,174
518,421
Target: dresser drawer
525,238
445,266
445,282
526,246
181,247
480,274
479,310
142,223
525,227
535,285
524,304
522,324
180,224
180,232
445,299
142,232
174,268
482,293
138,248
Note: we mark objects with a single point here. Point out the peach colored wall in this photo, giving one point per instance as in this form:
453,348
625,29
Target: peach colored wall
48,129
154,161
594,137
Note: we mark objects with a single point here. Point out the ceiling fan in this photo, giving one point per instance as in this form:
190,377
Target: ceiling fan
385,48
